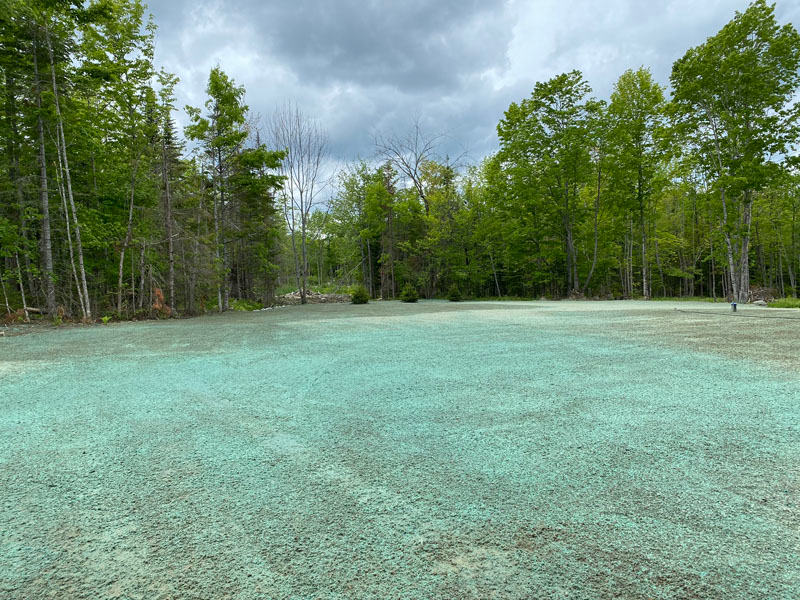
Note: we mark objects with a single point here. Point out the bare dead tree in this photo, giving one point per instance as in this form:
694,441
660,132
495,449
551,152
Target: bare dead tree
408,153
306,147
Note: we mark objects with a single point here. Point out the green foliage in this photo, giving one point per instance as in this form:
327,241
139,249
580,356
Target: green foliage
735,117
785,303
454,294
238,180
222,130
409,293
106,319
333,288
243,304
359,295
732,98
545,148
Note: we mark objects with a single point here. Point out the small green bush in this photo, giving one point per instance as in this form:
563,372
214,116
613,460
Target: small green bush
245,305
785,303
409,293
333,288
454,294
359,295
106,319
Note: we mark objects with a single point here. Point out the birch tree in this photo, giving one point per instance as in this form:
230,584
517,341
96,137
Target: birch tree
734,103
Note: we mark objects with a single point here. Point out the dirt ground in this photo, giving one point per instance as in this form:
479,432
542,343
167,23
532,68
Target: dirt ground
431,450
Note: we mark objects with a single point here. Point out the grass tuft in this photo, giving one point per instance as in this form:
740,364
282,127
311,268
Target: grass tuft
785,303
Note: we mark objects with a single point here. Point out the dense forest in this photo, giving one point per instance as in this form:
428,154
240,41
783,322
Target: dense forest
106,208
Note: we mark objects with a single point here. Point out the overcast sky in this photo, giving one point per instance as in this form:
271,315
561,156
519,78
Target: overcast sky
366,66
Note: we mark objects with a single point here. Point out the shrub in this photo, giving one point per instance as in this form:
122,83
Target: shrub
244,304
409,293
359,295
454,294
334,288
785,303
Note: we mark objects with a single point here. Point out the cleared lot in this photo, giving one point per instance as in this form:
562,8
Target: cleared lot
474,450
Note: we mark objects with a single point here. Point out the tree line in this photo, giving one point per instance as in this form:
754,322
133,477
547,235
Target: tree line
645,194
106,208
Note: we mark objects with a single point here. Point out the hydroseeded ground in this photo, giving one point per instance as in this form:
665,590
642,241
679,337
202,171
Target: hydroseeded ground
438,450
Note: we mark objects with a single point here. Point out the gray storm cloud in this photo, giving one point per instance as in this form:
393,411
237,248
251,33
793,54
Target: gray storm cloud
368,66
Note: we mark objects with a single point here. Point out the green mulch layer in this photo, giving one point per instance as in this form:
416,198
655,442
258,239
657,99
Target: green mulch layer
391,450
